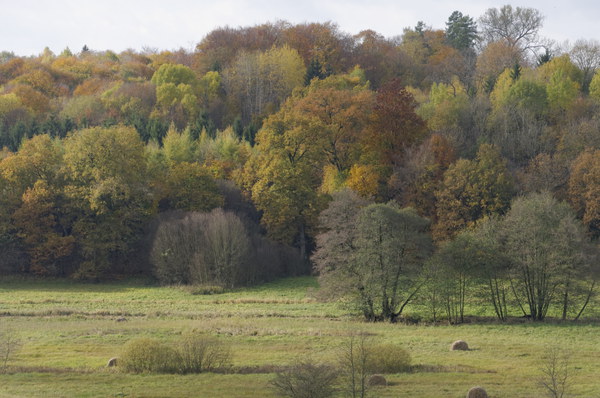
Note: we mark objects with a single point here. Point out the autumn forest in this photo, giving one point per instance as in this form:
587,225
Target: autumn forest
419,165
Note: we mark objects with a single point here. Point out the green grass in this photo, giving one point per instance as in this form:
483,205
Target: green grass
69,331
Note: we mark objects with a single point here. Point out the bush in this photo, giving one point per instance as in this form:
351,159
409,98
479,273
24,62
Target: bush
148,355
9,344
194,353
198,353
388,358
306,380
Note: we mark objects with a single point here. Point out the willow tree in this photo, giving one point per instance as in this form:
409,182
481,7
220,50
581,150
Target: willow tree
549,252
385,250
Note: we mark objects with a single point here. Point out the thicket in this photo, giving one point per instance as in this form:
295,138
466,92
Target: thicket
217,249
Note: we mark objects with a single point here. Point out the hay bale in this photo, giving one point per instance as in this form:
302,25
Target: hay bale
377,380
460,345
112,362
477,392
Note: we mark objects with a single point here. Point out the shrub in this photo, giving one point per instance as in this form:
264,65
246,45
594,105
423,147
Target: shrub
306,380
148,355
388,358
9,344
198,353
194,353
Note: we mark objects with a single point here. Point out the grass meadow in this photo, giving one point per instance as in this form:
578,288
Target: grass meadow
69,330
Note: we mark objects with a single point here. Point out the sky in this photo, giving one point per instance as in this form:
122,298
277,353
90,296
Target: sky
28,26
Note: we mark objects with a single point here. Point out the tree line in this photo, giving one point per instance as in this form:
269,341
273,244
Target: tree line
106,156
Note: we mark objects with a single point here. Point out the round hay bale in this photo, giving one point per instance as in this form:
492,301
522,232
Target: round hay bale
377,380
477,392
460,345
112,362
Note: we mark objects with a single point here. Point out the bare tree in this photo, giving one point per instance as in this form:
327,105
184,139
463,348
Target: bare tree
202,248
306,380
586,55
518,27
555,374
354,361
226,247
9,344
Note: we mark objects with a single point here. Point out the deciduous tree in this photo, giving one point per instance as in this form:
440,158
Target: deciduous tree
384,259
518,27
106,176
471,190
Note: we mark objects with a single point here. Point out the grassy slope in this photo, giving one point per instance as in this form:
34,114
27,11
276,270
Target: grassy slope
69,331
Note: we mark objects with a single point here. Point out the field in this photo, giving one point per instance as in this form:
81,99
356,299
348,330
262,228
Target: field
69,330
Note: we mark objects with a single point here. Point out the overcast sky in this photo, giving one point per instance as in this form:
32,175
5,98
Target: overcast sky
27,26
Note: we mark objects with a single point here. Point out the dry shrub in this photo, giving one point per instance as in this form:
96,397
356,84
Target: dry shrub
477,392
377,380
9,345
388,358
556,375
198,353
146,355
459,345
306,380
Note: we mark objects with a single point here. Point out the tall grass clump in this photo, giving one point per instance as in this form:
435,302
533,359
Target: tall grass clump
198,353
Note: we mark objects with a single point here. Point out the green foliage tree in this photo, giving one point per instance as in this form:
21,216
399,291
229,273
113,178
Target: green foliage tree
446,107
191,187
176,93
178,146
595,86
106,175
471,190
